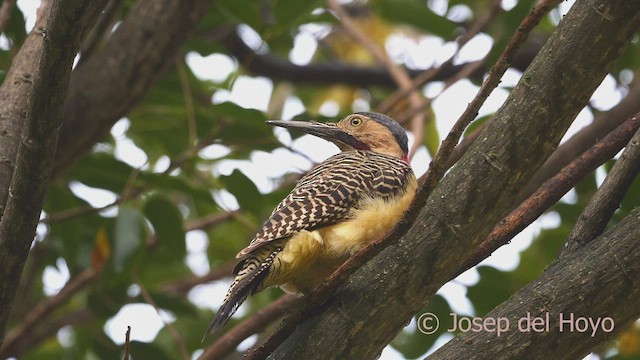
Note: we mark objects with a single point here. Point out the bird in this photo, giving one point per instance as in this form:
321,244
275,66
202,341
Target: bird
337,208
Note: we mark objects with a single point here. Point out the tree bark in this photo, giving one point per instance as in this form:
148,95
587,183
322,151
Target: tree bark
15,89
115,78
602,124
382,296
59,42
599,281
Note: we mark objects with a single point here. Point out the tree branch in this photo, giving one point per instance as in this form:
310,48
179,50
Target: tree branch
43,309
45,330
228,342
428,75
552,190
14,95
603,123
117,76
601,280
340,73
428,183
606,200
183,286
60,42
5,13
476,193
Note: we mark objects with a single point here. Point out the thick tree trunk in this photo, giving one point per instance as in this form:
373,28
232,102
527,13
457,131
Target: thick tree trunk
115,78
15,89
581,302
383,295
56,45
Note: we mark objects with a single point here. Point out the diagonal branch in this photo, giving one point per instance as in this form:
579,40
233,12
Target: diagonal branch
5,13
606,200
553,189
598,282
43,309
118,75
400,76
430,74
475,194
46,330
228,342
603,123
428,184
60,42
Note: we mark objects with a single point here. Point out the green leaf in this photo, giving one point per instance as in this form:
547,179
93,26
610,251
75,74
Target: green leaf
227,239
413,344
15,29
476,124
142,350
245,192
241,11
415,13
180,184
73,239
243,127
431,135
494,287
542,251
167,223
286,12
102,171
127,237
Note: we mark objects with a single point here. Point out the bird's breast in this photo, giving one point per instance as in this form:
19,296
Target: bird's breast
372,219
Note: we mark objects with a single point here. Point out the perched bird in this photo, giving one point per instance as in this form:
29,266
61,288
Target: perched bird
336,209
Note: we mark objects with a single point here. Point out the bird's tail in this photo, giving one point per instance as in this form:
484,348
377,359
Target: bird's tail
249,275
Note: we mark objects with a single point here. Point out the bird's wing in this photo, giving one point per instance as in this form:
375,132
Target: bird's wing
327,193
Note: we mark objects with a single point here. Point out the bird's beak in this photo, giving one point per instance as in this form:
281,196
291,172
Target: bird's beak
328,131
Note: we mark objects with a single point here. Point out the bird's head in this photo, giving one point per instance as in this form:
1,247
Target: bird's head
369,131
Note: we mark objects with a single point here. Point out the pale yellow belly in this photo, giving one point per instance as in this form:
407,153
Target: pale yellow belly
309,257
372,221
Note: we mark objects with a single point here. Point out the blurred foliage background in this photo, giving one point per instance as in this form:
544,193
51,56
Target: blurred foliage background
173,169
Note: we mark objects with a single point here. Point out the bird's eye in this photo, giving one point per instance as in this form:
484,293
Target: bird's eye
356,121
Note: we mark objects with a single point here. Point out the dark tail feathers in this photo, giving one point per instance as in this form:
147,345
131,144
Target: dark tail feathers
242,287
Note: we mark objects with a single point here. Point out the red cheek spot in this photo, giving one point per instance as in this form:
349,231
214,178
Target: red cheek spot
406,158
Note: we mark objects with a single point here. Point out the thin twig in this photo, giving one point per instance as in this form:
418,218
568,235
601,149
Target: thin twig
103,26
46,306
605,202
188,100
430,74
129,192
172,330
228,342
127,342
45,330
209,220
464,73
183,286
427,184
552,190
398,74
5,13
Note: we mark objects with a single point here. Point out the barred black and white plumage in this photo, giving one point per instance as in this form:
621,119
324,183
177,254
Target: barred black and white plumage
337,208
330,191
